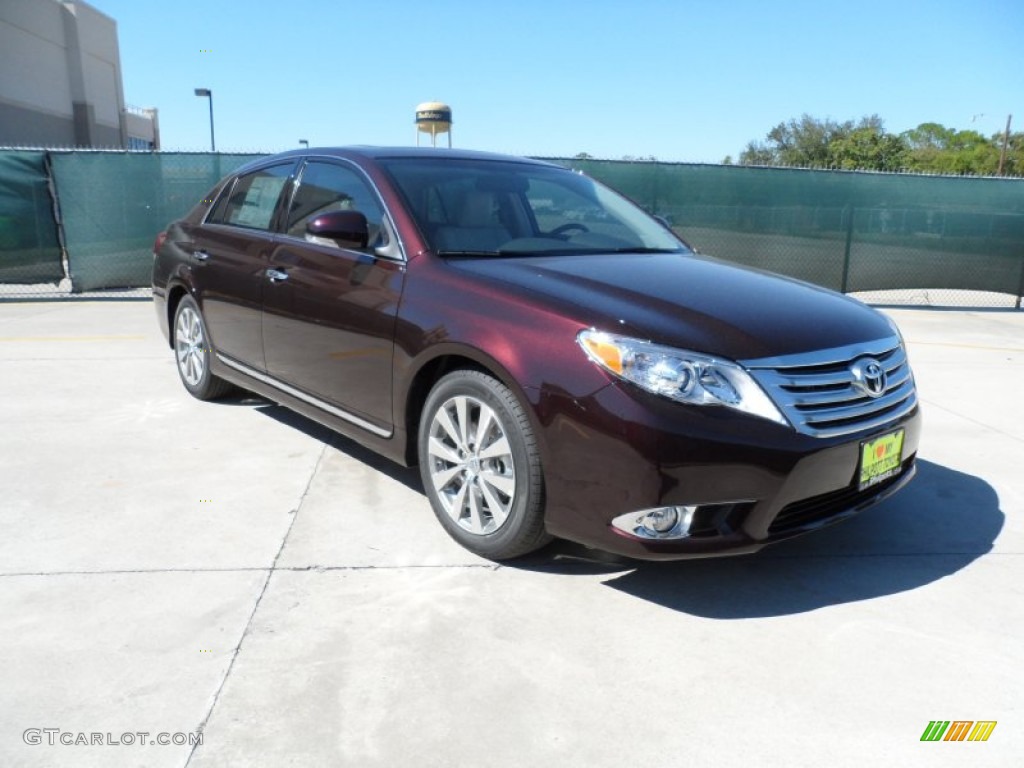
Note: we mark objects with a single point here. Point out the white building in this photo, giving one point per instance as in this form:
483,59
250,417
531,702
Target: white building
60,80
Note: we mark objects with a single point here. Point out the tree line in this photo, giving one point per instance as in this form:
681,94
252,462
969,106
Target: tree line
865,145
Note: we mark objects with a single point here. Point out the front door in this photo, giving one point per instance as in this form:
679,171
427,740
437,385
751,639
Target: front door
328,311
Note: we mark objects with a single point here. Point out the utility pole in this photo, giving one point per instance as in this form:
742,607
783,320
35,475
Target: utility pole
1006,141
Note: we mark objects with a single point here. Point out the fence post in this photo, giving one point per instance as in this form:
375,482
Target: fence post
846,252
1020,283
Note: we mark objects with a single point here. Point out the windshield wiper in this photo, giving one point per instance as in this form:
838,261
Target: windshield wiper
493,254
640,249
577,251
468,253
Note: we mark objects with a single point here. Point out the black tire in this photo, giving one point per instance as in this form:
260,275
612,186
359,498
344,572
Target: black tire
192,352
487,494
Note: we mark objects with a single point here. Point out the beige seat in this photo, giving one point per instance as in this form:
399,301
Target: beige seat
477,226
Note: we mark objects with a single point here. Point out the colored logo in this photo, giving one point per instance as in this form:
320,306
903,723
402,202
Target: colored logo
958,730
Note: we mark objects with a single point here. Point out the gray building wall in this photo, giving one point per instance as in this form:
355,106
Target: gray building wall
60,76
142,127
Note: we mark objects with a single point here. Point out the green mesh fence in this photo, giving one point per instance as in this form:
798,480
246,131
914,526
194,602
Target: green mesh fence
849,231
113,205
29,247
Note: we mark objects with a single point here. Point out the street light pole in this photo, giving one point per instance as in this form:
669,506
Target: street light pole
208,94
304,143
1006,140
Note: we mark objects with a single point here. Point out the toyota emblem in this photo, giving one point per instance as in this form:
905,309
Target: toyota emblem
869,377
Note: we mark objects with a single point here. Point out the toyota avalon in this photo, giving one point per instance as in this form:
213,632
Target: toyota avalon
556,361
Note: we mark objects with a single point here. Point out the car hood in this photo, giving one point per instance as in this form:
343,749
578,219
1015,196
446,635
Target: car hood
689,301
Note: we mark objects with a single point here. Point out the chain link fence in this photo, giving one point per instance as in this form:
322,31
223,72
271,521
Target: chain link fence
75,222
890,238
30,252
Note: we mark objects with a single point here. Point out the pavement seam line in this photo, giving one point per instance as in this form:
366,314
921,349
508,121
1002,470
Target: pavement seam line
256,606
997,430
483,566
289,568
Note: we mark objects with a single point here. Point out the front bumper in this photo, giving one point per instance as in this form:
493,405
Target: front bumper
621,451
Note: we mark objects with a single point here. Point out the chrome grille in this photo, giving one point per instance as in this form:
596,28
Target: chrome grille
817,391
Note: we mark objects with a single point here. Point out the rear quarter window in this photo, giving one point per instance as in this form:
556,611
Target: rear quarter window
251,201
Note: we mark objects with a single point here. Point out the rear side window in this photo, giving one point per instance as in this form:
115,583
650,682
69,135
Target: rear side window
216,214
252,200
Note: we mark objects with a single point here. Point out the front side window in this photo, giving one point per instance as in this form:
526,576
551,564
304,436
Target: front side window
253,199
325,187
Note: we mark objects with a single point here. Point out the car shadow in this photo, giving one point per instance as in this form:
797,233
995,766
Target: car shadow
407,476
940,523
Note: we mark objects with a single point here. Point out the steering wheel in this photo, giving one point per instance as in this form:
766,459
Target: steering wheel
565,228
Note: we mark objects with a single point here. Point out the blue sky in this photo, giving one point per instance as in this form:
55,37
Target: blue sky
691,80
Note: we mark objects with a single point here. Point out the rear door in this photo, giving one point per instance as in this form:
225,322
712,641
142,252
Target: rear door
329,313
231,251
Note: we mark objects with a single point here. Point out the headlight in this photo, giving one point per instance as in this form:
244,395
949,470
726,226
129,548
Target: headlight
686,377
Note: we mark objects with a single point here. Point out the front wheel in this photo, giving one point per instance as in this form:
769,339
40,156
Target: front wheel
480,466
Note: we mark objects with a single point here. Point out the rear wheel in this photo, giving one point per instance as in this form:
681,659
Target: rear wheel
480,466
192,353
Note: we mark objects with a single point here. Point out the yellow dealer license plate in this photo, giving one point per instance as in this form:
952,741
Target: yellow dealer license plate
880,459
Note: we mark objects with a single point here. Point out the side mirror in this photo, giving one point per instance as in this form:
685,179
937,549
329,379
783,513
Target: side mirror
349,228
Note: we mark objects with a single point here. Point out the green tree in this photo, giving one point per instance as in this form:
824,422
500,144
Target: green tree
929,148
1014,153
757,153
933,148
926,144
805,142
869,148
972,153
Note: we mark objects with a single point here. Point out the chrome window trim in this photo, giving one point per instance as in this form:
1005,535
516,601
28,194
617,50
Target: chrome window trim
346,163
225,190
305,397
230,186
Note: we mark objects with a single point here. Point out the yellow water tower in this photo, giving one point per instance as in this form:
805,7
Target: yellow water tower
433,117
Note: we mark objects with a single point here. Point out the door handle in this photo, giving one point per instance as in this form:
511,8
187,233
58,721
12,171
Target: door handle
276,275
201,255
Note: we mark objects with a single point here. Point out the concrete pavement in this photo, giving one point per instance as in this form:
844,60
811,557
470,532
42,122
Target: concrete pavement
175,567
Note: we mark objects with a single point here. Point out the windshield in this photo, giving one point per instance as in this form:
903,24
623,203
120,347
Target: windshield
489,207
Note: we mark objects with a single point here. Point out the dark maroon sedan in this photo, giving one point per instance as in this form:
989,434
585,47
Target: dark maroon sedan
556,361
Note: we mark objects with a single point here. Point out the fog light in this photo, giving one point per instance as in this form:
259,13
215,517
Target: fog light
661,520
658,523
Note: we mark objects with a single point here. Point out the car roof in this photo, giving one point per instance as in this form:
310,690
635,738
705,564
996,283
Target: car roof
378,153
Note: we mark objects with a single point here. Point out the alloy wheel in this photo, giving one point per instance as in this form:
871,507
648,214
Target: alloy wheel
189,346
471,465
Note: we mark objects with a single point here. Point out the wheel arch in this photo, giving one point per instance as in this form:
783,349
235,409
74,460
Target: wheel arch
175,293
433,368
